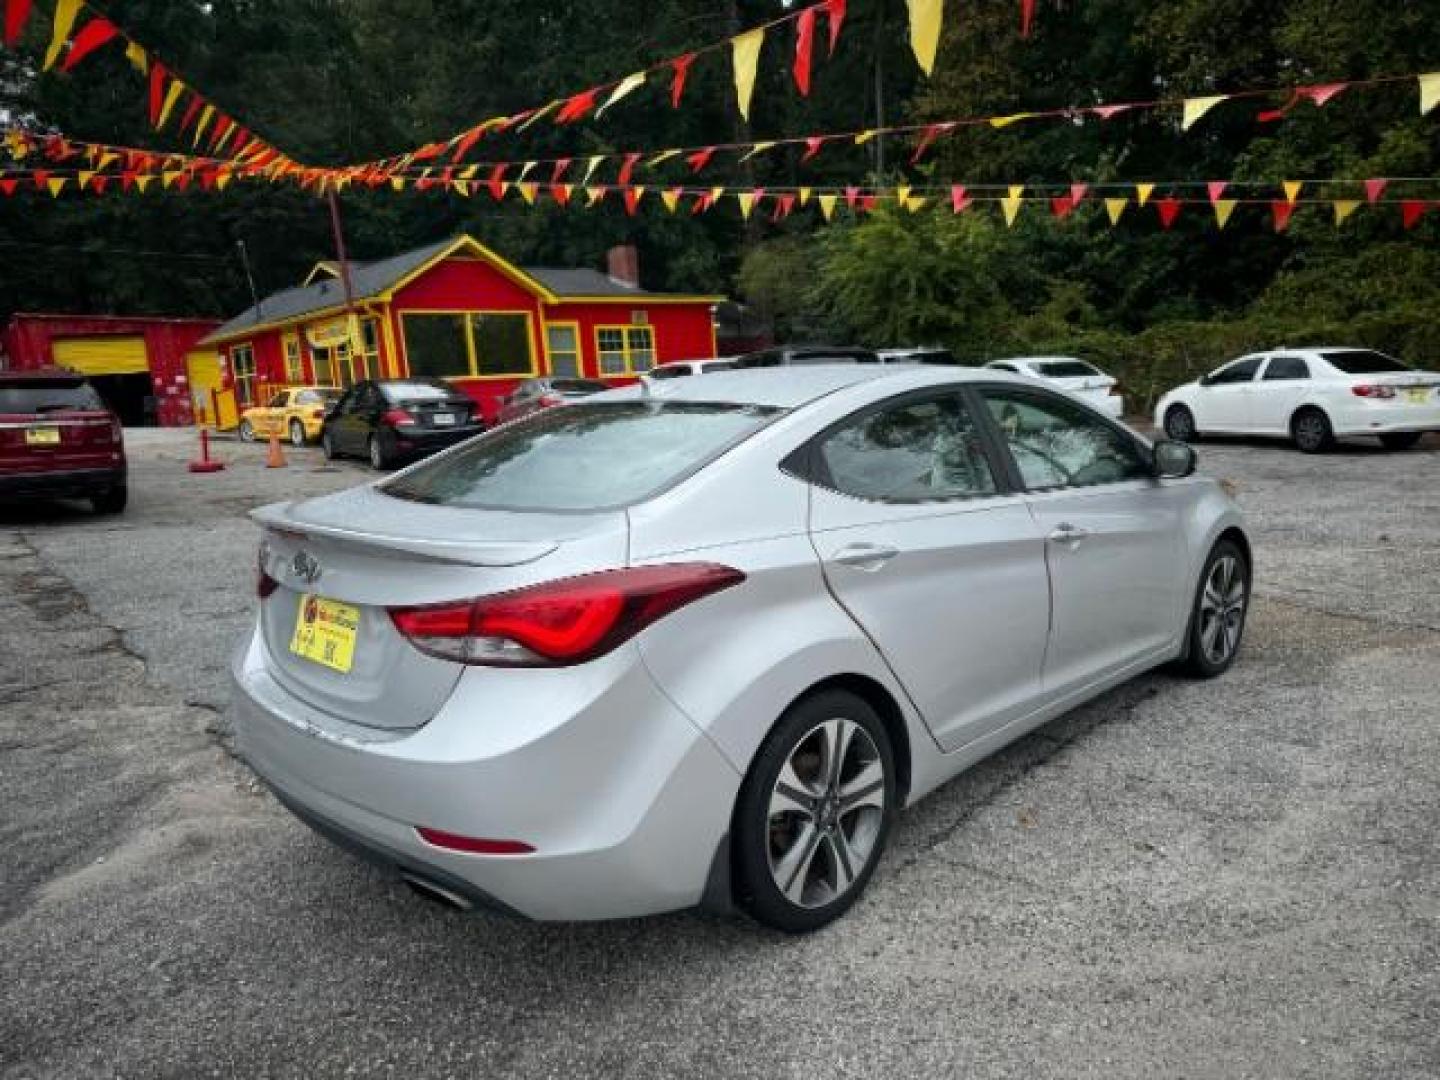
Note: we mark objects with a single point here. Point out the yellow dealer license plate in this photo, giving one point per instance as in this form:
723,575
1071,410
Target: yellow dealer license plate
42,436
1419,395
325,632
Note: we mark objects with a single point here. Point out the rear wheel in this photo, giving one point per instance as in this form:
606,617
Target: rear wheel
379,459
297,433
1217,619
1180,423
247,431
1310,428
112,502
814,812
327,445
1400,440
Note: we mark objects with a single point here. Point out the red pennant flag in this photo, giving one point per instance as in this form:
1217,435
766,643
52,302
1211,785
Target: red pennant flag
182,181
469,139
207,178
40,176
626,168
577,107
428,152
1060,206
681,66
1411,211
1216,188
701,203
1107,112
926,138
958,199
852,196
1027,17
559,171
1078,193
98,184
222,129
1321,94
94,34
804,44
867,203
157,91
496,183
127,179
700,158
425,183
560,193
8,185
783,205
192,111
1374,189
1169,209
632,199
812,147
1281,209
16,12
834,15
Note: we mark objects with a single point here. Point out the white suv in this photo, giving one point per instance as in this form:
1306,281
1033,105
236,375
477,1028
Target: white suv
1312,395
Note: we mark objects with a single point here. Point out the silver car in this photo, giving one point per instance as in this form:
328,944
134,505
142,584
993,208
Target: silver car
697,643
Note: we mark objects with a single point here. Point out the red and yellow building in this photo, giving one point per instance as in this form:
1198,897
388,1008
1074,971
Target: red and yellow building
457,310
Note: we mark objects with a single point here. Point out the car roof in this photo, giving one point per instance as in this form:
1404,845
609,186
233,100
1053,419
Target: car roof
1038,360
48,374
790,387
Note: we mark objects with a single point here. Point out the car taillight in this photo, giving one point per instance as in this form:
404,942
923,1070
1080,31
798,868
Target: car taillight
560,622
1367,390
264,583
547,400
316,414
396,417
472,845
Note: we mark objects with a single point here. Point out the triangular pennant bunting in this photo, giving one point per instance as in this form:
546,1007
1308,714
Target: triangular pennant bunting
745,52
1010,204
1344,208
65,14
925,19
1223,209
1194,108
1114,208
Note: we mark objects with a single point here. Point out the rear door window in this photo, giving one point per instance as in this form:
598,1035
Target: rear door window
1065,369
1285,368
587,456
44,395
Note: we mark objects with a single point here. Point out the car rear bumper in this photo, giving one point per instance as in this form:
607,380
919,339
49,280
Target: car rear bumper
1385,418
623,799
428,440
61,483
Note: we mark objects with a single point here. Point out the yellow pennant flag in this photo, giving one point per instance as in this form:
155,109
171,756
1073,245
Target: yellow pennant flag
747,202
106,160
662,157
398,183
1196,107
143,181
1292,189
902,194
171,97
468,173
222,179
460,187
1344,208
1006,121
864,137
594,195
827,205
65,12
525,171
746,54
206,115
627,84
1223,209
83,179
758,148
1114,208
1143,193
527,192
55,184
590,167
1429,91
536,115
135,53
804,195
715,193
925,18
916,203
1010,204
671,199
169,177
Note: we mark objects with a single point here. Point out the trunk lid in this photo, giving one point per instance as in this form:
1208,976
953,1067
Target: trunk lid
57,440
360,552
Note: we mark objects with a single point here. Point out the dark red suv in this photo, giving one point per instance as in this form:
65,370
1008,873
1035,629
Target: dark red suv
58,439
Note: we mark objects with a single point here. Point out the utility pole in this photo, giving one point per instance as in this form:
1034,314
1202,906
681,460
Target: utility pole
340,251
249,279
879,57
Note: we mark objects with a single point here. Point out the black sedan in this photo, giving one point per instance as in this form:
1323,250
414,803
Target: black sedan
391,421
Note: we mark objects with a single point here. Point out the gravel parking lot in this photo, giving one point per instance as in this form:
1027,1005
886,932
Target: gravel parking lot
1238,878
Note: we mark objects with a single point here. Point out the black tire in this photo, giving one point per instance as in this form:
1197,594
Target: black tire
1200,659
1310,428
845,828
1180,424
1401,440
297,434
327,445
380,461
247,432
113,501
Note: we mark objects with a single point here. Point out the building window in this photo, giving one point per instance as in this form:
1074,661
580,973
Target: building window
562,342
294,363
468,344
367,363
625,350
242,364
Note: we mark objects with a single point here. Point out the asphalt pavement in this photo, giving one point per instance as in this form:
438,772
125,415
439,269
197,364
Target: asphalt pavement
1236,878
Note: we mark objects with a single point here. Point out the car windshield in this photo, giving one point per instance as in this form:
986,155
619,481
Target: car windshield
414,390
1063,369
44,395
317,397
582,457
1364,362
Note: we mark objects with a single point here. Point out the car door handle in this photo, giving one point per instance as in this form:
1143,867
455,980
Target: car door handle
1065,533
865,556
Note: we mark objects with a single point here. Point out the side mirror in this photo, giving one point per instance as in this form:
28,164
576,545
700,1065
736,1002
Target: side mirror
1172,460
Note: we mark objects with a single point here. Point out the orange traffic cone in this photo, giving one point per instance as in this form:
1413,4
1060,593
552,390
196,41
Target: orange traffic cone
275,457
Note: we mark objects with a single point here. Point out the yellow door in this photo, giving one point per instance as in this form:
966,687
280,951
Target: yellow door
202,370
111,354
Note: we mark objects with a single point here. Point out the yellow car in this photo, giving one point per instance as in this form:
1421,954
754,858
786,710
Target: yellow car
296,413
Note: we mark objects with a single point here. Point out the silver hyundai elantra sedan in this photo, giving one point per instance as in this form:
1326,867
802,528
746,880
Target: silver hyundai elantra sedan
698,642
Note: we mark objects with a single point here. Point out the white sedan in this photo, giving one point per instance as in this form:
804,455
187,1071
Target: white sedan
1085,381
1312,395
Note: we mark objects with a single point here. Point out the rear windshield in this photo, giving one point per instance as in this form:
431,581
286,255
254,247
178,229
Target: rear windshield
577,386
317,397
1064,369
670,371
414,390
46,395
582,457
1363,362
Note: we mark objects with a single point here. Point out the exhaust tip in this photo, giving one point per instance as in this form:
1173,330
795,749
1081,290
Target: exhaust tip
436,893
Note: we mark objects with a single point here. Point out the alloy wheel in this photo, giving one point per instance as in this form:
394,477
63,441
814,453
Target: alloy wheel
1180,424
297,433
826,812
1222,609
1312,431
